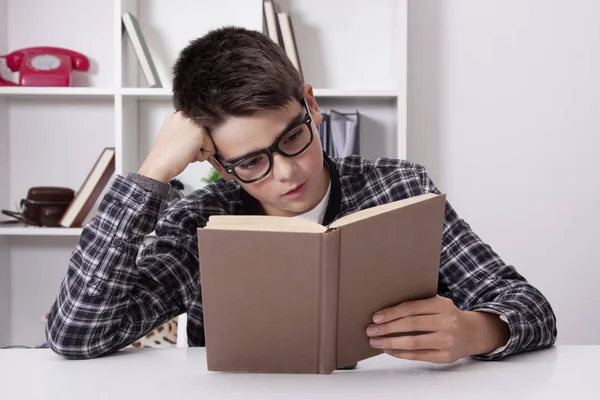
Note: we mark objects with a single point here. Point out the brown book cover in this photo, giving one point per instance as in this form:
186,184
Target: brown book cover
284,295
90,190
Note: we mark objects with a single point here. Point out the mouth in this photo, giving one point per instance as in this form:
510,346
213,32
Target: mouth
295,192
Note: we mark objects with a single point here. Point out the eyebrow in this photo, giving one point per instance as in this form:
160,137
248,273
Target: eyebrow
299,117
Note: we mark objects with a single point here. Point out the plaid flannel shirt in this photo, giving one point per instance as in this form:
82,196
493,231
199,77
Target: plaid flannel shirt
113,293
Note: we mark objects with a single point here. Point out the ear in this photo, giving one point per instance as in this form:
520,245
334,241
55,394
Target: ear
307,90
224,174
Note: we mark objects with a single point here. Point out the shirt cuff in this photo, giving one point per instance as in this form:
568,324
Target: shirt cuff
150,185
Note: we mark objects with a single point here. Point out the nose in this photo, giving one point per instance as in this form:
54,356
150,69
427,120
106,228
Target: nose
283,167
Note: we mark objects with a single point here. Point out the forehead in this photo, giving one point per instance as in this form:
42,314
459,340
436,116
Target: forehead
242,135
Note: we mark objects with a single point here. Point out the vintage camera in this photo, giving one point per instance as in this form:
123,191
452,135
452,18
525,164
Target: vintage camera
43,206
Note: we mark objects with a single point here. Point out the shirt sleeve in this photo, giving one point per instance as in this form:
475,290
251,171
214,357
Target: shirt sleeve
111,295
476,278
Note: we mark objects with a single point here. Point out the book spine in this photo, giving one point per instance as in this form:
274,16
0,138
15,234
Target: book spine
328,301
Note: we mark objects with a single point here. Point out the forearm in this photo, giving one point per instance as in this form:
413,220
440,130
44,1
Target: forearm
97,297
477,279
487,332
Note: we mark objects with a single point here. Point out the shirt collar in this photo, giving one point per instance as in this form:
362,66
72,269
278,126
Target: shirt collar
253,206
317,213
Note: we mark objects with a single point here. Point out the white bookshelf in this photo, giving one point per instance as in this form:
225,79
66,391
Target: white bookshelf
354,55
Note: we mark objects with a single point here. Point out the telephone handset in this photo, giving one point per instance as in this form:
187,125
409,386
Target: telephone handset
44,66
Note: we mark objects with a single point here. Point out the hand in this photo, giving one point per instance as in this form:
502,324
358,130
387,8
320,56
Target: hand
445,333
180,142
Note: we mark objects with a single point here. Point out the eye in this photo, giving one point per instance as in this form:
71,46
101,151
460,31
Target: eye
252,163
293,136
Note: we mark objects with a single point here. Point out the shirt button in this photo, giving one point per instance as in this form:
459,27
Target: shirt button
117,242
140,199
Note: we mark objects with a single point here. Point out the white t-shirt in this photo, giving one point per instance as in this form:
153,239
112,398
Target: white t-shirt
318,213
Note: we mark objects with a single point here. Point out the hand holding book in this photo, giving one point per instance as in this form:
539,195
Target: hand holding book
435,330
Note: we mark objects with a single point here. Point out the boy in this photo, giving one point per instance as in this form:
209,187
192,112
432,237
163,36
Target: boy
242,106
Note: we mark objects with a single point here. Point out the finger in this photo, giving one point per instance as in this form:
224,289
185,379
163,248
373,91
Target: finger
434,356
209,145
204,154
418,323
207,150
427,341
408,308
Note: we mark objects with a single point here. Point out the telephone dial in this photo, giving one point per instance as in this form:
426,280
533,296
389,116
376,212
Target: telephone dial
44,66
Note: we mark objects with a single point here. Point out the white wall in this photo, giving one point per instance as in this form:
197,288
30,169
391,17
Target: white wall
504,106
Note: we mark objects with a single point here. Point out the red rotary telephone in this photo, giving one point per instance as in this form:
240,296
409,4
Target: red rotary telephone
44,66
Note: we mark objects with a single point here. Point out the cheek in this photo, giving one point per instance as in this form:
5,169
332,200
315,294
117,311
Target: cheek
263,190
258,189
313,160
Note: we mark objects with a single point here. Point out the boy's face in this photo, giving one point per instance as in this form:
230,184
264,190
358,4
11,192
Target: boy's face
306,172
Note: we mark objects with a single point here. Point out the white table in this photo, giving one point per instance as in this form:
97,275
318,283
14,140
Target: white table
562,372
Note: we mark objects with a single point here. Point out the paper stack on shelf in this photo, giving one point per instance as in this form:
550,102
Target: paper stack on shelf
340,133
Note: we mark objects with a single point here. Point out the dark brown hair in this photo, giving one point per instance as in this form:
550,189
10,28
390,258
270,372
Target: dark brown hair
232,72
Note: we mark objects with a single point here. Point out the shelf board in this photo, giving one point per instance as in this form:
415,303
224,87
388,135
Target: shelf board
164,93
43,231
147,93
37,231
62,92
356,93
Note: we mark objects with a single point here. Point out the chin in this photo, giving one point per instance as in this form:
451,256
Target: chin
299,207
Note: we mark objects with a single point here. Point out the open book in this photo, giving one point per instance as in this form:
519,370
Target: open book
284,295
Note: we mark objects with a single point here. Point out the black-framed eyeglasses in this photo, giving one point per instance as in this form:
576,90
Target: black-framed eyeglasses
291,143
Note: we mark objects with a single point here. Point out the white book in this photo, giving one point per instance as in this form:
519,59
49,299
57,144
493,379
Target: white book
141,50
270,17
289,42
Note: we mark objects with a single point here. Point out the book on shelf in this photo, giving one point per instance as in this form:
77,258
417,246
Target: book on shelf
280,30
90,190
285,295
142,52
271,8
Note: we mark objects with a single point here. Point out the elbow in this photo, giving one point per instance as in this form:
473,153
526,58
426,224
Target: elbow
541,329
551,329
67,341
69,348
545,326
68,352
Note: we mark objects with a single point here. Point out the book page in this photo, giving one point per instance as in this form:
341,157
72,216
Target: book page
262,223
369,212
